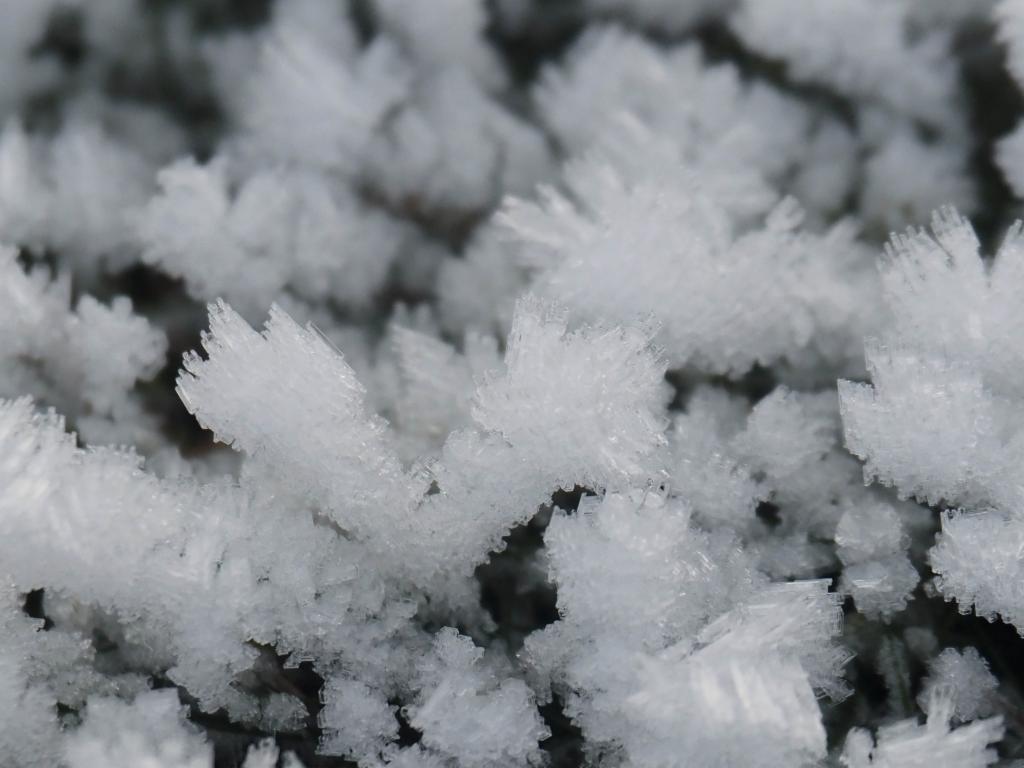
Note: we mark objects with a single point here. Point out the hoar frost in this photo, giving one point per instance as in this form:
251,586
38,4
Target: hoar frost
476,384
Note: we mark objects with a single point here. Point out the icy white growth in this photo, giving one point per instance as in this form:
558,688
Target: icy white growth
991,585
567,263
582,407
634,566
468,713
799,619
907,178
872,545
265,754
314,101
600,388
868,531
357,720
280,229
688,688
706,469
944,372
744,713
966,679
438,384
729,458
453,147
85,361
444,35
478,291
149,731
729,129
92,525
584,253
75,193
940,421
826,41
908,743
880,587
314,434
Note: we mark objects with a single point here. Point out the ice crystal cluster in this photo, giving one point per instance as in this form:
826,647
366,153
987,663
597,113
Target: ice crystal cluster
511,383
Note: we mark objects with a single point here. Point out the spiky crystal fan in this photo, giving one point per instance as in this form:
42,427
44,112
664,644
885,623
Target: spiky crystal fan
507,383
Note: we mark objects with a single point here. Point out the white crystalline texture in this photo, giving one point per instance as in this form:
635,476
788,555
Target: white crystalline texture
906,179
312,431
445,35
342,96
706,469
966,678
149,731
584,405
908,744
466,711
453,147
937,423
634,566
75,193
638,581
758,714
926,425
868,531
991,585
357,721
880,587
738,134
280,229
586,255
799,619
438,383
941,419
85,361
872,545
863,48
525,321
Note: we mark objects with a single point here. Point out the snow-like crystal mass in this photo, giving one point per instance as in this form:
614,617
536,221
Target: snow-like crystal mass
584,254
468,712
511,433
824,41
939,421
310,380
966,677
148,731
280,229
936,743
